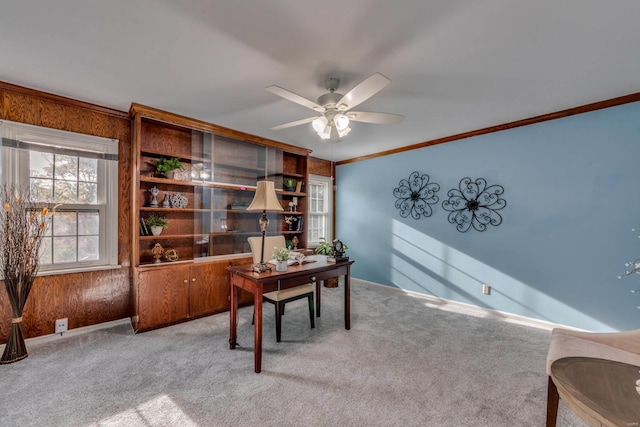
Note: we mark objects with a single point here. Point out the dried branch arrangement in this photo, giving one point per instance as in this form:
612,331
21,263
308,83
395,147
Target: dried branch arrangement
23,225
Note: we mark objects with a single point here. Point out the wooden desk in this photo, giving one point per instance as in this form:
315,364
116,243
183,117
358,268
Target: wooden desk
601,392
259,283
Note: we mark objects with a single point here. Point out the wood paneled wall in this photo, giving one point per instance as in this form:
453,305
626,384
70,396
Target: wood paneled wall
84,298
320,167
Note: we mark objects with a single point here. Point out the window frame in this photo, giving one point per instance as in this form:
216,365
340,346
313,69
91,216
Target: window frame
18,139
328,181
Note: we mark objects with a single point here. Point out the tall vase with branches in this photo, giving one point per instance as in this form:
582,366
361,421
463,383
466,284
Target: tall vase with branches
23,225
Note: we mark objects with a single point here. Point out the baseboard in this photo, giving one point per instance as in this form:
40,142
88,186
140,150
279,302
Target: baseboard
469,309
72,332
433,302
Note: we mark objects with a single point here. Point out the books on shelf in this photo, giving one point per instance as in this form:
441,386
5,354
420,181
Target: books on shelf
300,186
144,230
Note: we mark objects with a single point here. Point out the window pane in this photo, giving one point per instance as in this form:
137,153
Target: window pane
66,167
87,193
88,223
65,249
88,171
45,251
41,190
65,191
64,224
40,165
87,248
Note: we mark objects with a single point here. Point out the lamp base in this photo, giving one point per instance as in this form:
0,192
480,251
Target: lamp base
261,267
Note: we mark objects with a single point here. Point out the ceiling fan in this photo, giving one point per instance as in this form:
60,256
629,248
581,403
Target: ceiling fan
335,108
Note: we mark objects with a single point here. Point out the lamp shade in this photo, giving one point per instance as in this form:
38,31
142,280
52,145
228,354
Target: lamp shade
265,198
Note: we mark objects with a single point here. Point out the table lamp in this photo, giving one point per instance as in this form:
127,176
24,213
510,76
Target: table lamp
265,200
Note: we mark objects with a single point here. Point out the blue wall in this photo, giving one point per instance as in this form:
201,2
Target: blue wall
572,187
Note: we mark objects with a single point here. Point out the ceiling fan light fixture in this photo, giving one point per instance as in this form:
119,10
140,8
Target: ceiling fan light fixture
344,132
326,133
335,117
341,121
320,124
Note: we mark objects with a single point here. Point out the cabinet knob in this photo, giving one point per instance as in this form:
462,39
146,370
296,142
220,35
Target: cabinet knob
313,278
193,279
185,281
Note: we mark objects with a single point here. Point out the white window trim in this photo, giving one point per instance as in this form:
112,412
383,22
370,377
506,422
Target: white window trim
11,172
329,181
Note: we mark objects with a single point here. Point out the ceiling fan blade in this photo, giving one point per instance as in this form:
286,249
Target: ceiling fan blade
296,123
365,90
379,118
293,97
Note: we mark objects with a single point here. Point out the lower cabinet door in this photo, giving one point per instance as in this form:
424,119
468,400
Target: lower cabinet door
208,289
163,296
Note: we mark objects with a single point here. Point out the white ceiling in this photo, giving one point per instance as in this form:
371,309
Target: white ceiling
454,65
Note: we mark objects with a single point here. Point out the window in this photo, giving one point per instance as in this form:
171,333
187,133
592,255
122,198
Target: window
80,173
319,195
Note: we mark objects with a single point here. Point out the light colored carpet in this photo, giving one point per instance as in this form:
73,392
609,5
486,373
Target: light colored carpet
401,364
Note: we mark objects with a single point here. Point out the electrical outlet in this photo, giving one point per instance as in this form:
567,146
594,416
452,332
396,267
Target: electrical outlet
486,289
62,325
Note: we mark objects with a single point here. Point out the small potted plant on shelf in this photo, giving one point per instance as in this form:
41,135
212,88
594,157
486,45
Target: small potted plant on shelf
281,255
167,166
156,224
326,248
289,184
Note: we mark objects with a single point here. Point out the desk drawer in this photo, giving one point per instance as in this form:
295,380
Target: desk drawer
311,277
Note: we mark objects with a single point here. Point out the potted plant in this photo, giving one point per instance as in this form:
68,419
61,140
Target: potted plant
167,166
157,223
326,248
281,255
289,184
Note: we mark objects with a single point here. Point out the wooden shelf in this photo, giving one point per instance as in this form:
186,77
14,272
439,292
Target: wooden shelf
236,161
173,210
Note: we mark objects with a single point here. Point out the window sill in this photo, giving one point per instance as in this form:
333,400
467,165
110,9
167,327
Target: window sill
78,270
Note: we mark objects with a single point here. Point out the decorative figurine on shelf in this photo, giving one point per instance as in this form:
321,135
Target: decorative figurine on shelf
295,204
171,255
165,202
295,242
291,221
157,252
154,199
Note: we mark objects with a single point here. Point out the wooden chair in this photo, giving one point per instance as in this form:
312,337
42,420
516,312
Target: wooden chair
621,347
280,297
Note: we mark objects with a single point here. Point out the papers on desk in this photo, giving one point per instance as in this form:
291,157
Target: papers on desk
289,261
295,259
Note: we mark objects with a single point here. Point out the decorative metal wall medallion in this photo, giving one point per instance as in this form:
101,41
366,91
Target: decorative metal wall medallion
474,205
416,195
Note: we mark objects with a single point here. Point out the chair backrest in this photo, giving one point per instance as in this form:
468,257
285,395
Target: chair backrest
270,242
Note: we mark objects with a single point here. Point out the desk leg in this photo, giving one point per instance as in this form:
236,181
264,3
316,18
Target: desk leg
553,399
347,300
257,330
318,287
233,314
